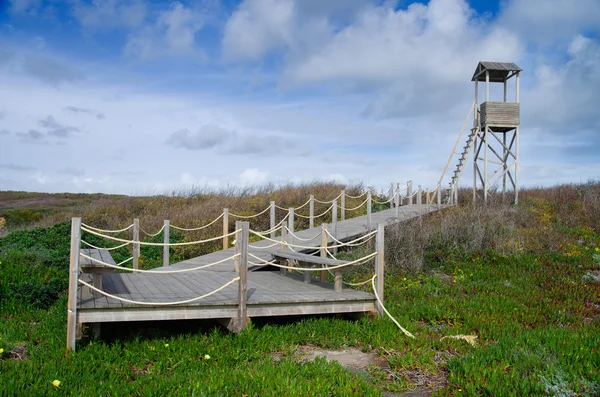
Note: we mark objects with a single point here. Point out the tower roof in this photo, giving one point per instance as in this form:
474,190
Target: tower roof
499,71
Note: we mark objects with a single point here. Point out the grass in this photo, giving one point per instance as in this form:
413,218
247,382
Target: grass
513,277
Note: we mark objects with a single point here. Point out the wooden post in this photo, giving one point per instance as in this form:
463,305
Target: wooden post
242,315
136,246
225,228
282,271
311,215
487,85
238,246
323,249
343,205
409,192
391,197
369,225
419,195
427,198
166,240
475,111
380,264
334,209
291,221
272,219
517,83
337,280
439,195
73,277
397,203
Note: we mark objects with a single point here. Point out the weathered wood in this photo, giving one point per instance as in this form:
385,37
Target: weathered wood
305,258
337,280
272,219
311,215
166,240
334,229
369,219
291,220
391,195
136,246
439,196
238,250
283,271
73,283
241,321
380,264
505,114
226,228
397,203
343,205
409,192
323,249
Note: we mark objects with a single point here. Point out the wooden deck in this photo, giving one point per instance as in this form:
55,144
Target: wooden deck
269,293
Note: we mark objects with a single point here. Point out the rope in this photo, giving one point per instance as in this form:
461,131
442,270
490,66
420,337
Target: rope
160,244
385,310
357,207
295,208
314,269
302,239
118,266
265,247
250,216
107,231
158,303
384,202
411,196
107,249
326,211
350,243
278,226
152,235
355,197
197,228
329,201
371,234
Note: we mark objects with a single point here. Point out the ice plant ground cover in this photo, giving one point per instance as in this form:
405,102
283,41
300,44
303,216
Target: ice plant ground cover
514,277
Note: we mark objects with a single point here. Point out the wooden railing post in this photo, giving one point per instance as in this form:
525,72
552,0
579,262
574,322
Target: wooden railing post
397,202
439,196
136,245
419,195
455,195
380,264
391,196
73,277
409,192
238,246
334,212
282,271
242,314
311,212
343,205
272,219
323,249
369,225
226,228
427,196
291,220
166,240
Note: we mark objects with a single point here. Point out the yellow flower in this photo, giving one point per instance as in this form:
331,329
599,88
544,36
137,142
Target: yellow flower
166,345
597,249
1,351
206,357
56,383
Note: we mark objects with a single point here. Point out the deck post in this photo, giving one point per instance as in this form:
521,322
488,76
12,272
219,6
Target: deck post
241,321
323,249
379,264
409,192
334,211
311,215
73,277
136,244
226,228
343,205
238,249
166,240
391,196
337,280
369,225
282,271
272,219
397,203
291,220
419,195
439,196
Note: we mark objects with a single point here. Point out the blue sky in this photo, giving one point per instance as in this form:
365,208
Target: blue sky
137,97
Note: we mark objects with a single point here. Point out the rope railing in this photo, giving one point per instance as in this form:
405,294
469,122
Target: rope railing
250,216
107,231
102,248
355,197
328,201
366,238
159,244
264,247
312,269
300,238
288,244
384,202
119,267
197,228
157,303
153,234
295,208
357,207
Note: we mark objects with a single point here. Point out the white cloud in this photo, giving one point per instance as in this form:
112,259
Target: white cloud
103,14
253,176
173,33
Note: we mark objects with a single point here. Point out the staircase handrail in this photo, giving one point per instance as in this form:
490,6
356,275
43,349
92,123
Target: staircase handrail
453,152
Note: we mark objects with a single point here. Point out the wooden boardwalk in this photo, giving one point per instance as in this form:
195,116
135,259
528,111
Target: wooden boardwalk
269,293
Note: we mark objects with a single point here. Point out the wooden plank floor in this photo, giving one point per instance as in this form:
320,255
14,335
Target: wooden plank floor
269,293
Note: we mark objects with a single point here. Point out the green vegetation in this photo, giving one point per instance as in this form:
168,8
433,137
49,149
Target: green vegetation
518,278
